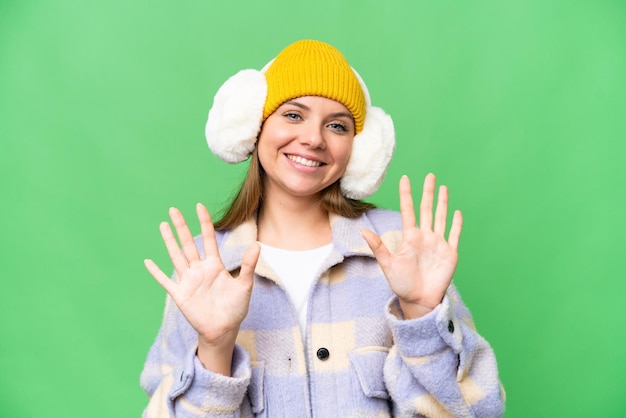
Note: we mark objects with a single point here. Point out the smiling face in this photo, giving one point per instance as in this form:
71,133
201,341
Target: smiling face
305,145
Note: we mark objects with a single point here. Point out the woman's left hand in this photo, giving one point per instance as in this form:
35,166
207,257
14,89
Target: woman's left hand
421,270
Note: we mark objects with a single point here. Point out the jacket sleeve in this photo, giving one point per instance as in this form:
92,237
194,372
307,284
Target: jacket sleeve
176,382
439,365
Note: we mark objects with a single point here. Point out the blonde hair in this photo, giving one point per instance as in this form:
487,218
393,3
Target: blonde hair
249,198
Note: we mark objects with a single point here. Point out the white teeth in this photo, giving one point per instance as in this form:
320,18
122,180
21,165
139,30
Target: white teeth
304,161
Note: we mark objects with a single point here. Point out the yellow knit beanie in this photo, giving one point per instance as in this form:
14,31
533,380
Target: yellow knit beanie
314,68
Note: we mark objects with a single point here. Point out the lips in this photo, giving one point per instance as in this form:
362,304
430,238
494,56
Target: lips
304,161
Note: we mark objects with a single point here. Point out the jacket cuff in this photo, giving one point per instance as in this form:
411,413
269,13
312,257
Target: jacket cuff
430,334
206,391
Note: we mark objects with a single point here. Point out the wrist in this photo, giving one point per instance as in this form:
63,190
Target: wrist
413,310
216,357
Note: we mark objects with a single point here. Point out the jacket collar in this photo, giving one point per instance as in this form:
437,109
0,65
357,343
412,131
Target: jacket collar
347,242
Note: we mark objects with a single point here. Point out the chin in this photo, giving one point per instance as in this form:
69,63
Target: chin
305,191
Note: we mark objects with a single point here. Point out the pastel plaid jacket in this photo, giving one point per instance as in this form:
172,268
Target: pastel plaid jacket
361,358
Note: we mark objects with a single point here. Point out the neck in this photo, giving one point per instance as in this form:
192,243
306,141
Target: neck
293,223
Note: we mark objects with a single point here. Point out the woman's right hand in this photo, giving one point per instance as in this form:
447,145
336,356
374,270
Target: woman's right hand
213,301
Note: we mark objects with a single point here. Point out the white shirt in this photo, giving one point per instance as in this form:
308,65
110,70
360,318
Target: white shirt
297,271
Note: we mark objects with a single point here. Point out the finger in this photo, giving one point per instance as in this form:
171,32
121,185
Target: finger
407,210
441,213
455,230
248,262
207,231
381,252
184,235
178,259
157,273
426,205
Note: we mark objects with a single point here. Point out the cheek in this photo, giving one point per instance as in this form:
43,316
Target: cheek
273,139
263,153
344,153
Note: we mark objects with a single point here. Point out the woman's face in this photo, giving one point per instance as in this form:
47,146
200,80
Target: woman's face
305,145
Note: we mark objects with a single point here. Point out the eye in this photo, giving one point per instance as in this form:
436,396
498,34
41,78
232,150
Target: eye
292,116
339,127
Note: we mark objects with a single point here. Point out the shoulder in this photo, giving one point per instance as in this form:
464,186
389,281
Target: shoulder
219,239
387,224
384,220
220,235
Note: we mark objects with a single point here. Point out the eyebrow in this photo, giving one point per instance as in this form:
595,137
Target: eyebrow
305,107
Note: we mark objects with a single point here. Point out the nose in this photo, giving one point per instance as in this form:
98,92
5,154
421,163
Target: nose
313,136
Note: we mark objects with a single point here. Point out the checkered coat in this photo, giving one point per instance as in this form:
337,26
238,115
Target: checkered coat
361,358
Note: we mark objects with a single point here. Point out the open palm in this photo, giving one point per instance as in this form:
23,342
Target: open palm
422,268
211,299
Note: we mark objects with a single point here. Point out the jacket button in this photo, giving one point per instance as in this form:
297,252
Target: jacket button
450,326
323,354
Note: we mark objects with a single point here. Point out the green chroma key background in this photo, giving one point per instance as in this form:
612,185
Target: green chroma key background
519,107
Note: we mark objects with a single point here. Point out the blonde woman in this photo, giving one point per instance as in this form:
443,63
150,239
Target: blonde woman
303,300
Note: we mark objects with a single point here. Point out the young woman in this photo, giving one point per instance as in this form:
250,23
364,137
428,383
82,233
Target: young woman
304,301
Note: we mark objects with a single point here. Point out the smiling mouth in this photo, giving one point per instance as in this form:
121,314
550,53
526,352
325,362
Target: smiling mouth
303,161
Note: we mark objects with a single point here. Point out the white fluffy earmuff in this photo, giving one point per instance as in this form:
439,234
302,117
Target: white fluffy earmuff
235,120
372,150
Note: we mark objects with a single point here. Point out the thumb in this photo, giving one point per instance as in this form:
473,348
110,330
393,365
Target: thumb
381,252
248,262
